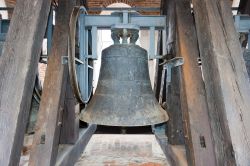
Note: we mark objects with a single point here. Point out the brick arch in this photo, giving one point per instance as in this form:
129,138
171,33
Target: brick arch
132,3
110,2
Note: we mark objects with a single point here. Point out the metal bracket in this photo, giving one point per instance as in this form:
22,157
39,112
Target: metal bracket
65,60
168,65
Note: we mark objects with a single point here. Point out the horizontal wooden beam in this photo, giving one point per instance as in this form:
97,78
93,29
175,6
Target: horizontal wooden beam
175,125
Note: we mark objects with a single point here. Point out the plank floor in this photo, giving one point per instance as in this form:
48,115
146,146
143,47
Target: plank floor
122,150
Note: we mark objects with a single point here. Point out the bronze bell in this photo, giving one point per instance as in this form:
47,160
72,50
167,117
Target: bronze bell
124,96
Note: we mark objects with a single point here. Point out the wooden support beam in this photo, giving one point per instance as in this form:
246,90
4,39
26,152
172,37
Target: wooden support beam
69,154
226,81
46,138
18,65
198,136
69,131
70,119
175,125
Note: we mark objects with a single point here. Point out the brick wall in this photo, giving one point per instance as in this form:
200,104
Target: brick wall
105,3
132,3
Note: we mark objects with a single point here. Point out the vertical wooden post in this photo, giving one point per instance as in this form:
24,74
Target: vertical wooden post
175,127
46,138
70,120
226,81
193,96
18,65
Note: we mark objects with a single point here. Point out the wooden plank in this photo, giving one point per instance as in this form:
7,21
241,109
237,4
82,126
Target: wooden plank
175,125
70,119
44,152
18,65
198,136
69,154
226,81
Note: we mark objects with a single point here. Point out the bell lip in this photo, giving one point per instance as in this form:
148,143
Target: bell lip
163,120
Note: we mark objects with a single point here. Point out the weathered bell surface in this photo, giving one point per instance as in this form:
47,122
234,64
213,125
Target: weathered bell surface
124,96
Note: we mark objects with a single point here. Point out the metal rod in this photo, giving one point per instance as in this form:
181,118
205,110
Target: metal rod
164,42
86,71
79,61
94,42
49,31
151,42
82,39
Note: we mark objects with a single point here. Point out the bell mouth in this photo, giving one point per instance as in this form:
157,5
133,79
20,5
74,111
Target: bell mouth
141,118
